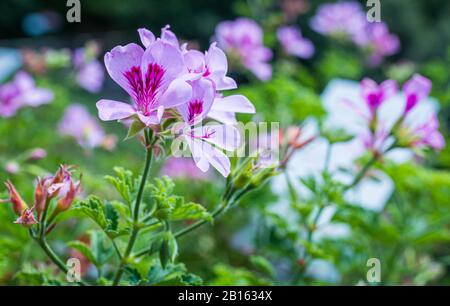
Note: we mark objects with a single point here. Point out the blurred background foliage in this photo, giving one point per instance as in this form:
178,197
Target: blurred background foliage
412,234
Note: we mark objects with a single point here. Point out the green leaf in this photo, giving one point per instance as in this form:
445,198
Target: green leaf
101,249
113,216
173,207
134,277
124,182
135,128
169,249
84,249
105,215
171,274
188,211
93,208
262,264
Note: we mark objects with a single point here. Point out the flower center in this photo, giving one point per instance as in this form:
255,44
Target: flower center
145,89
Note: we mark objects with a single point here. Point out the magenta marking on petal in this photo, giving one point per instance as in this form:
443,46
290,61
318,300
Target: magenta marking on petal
195,108
145,90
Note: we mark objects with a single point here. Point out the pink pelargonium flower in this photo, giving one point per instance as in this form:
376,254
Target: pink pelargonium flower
20,92
416,89
148,38
374,94
243,37
152,78
293,43
212,65
202,139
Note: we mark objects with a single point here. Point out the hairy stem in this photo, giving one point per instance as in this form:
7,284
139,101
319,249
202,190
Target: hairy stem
136,211
53,257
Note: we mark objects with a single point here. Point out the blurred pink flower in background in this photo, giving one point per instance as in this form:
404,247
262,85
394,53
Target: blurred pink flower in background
21,92
378,41
348,20
345,19
293,43
183,168
89,72
426,134
243,38
37,153
12,167
77,122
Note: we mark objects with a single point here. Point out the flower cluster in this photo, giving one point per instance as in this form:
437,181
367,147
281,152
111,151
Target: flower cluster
348,20
405,131
166,80
243,38
60,186
21,92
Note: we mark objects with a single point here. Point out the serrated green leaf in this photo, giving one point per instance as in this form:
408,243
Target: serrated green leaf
84,249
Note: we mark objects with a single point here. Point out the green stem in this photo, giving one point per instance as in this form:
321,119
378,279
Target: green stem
363,172
192,227
42,221
54,258
136,227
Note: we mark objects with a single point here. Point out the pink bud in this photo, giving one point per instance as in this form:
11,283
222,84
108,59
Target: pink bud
19,204
27,218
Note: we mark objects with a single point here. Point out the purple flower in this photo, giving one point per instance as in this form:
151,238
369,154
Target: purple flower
348,19
201,139
293,43
153,79
244,38
428,135
212,65
20,92
89,72
374,94
182,168
416,89
78,123
341,18
379,41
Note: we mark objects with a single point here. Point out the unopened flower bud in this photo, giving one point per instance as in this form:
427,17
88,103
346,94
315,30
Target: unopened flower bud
19,204
40,196
26,219
243,174
65,202
262,175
